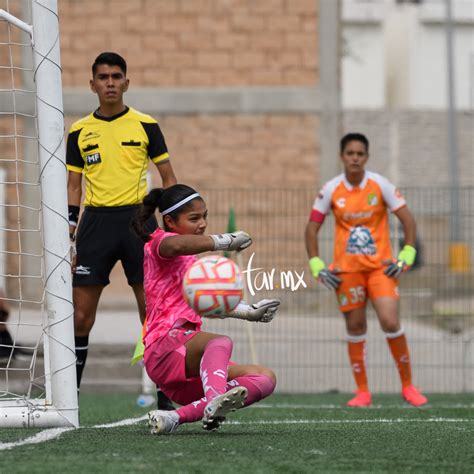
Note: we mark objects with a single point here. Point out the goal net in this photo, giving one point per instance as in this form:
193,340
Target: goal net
37,359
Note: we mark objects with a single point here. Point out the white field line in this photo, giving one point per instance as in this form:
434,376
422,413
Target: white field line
126,422
402,406
53,433
343,422
40,437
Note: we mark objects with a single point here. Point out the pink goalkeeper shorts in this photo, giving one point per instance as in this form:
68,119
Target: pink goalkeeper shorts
165,363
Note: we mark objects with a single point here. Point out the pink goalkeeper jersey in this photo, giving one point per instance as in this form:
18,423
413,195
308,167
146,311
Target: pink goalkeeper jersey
163,281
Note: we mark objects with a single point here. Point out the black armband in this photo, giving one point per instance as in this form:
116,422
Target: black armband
73,212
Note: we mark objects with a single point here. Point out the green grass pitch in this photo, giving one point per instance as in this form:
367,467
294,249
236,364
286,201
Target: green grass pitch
284,434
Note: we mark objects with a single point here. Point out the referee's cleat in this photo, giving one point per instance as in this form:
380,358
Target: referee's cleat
163,422
216,410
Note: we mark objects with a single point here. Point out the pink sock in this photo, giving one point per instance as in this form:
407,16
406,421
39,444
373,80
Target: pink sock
214,366
258,386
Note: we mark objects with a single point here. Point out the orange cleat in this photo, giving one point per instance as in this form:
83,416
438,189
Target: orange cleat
362,399
413,396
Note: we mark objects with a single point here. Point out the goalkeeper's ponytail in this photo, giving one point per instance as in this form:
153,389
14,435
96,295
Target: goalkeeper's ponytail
148,208
170,201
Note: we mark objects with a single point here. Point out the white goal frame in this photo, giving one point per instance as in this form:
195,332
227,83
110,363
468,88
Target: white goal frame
59,407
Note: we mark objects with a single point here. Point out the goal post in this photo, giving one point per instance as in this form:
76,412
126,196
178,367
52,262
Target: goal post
58,405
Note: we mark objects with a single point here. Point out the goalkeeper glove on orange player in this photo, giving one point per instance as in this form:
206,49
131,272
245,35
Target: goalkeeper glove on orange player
327,277
405,260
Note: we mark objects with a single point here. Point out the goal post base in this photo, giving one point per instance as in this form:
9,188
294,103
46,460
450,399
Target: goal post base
35,414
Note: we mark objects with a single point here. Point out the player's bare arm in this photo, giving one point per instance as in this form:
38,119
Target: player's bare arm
316,264
74,193
168,177
311,238
408,223
186,244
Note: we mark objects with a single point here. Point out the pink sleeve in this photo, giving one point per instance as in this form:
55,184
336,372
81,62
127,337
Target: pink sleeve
156,239
322,204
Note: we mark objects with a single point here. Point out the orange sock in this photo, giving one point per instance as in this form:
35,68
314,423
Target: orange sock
356,348
399,349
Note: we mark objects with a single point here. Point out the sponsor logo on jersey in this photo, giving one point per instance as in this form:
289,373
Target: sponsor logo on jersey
343,299
372,199
131,143
361,241
351,216
93,159
341,202
88,148
82,270
91,136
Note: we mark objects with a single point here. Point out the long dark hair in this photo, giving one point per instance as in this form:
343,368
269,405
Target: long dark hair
161,198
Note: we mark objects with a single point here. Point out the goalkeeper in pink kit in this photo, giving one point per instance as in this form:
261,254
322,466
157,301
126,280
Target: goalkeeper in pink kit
191,366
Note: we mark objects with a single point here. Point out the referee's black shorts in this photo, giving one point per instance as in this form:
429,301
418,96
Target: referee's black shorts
105,236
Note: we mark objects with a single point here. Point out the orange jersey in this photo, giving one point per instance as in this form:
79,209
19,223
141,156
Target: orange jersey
362,239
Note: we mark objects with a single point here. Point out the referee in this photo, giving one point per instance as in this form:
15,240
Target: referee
110,148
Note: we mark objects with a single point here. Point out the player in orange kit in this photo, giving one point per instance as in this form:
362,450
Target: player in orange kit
363,266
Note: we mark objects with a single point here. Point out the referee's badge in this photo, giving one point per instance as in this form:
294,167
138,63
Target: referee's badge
93,159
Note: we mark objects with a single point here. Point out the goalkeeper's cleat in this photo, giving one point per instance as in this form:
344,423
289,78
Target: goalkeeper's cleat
163,422
413,396
216,410
362,399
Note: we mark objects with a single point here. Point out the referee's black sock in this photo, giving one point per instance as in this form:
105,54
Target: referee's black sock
82,346
163,402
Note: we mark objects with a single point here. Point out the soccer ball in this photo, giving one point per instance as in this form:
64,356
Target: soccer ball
213,286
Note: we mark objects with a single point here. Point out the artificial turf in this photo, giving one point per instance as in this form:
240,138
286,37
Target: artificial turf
284,434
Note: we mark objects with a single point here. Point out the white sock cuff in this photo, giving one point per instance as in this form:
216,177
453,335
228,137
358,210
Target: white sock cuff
393,335
361,338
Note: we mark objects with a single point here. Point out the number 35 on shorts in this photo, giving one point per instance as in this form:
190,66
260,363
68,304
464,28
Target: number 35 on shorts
353,295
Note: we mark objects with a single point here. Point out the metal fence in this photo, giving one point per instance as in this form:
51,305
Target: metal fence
306,344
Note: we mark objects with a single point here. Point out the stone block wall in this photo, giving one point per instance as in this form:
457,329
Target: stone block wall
193,42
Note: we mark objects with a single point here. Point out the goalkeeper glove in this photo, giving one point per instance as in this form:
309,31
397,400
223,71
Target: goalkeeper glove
262,312
405,260
232,241
323,275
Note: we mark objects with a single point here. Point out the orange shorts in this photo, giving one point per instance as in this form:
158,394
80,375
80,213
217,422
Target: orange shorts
356,288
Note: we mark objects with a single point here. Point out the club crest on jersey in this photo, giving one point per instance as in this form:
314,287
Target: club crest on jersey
93,159
343,299
361,241
372,199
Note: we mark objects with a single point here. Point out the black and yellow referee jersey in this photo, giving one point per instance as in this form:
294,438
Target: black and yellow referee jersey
112,153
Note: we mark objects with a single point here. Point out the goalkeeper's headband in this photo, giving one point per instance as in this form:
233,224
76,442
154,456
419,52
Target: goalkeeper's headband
179,204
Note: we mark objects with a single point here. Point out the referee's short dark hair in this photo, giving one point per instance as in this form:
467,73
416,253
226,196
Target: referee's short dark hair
111,59
351,137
